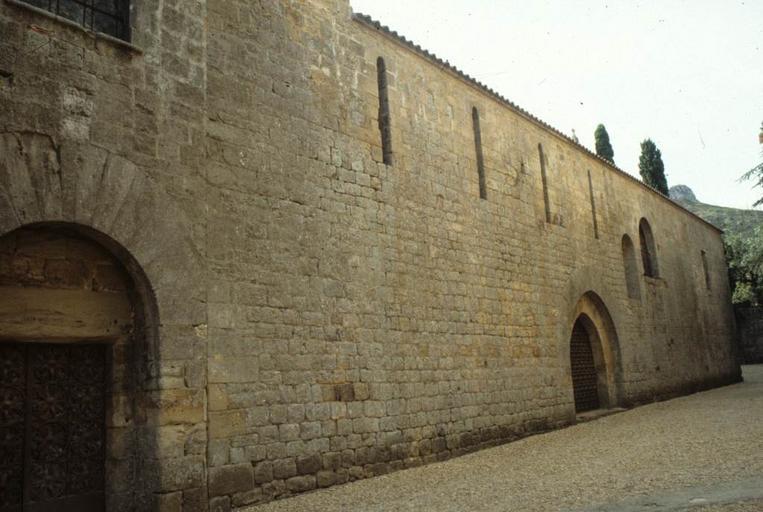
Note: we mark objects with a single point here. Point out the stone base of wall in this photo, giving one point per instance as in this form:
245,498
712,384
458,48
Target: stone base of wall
237,486
668,392
275,480
750,328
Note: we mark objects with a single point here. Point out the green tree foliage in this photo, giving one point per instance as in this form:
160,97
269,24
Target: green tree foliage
756,173
603,147
651,167
745,260
744,254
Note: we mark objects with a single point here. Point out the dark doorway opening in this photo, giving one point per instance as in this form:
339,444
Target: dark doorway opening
584,375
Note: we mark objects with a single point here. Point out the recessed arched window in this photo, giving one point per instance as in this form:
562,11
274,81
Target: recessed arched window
631,268
110,17
648,249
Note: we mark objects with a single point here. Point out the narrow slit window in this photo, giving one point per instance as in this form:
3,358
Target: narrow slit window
593,207
544,182
478,151
705,269
385,128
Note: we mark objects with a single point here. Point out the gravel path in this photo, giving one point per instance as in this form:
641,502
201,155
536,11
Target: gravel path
702,453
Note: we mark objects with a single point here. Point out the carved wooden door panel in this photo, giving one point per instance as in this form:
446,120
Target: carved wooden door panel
12,425
52,438
584,378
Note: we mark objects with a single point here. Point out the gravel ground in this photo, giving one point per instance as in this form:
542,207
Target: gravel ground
700,453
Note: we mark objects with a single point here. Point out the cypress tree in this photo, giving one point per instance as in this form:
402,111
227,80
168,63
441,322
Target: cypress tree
603,147
651,168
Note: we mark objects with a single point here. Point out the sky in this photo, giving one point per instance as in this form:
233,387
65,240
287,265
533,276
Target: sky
687,74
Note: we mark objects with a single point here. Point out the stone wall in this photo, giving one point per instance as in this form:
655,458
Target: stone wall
750,324
337,317
103,138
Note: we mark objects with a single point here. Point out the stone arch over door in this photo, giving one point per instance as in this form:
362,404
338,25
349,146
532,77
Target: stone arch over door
593,324
77,315
114,203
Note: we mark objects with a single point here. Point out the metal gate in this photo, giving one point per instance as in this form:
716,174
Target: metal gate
584,376
52,420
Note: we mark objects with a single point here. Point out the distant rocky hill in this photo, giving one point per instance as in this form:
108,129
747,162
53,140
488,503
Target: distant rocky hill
732,220
682,193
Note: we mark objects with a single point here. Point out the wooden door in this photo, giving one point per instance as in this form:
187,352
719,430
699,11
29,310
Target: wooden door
52,419
584,378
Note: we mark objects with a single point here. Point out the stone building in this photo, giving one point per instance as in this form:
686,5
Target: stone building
252,248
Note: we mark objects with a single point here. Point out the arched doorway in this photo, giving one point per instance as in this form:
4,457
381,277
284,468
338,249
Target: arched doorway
72,332
595,371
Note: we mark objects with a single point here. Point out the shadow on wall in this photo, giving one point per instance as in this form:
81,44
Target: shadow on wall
749,320
155,450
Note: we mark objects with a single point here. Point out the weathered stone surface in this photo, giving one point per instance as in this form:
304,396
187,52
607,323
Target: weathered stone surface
182,473
219,504
284,468
226,480
172,502
309,464
263,472
325,478
218,452
223,425
289,432
247,498
195,500
344,392
177,406
305,309
300,483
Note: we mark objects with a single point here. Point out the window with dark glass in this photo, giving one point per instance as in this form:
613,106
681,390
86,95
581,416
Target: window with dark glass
110,17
